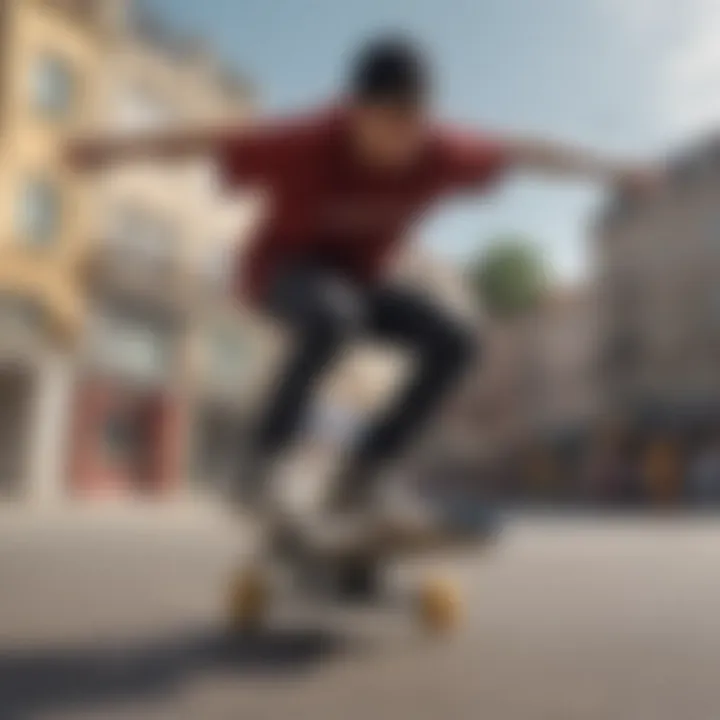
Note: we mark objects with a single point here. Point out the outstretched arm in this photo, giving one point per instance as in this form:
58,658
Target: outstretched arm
566,162
244,154
88,153
473,160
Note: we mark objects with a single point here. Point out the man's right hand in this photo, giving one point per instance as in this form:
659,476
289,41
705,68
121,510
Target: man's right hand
88,155
95,153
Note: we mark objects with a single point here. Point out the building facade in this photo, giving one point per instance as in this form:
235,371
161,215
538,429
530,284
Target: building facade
50,81
117,340
538,383
563,389
659,268
147,391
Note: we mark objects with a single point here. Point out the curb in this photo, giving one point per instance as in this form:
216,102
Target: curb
191,512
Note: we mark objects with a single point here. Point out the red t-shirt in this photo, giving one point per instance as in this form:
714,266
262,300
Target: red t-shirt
325,206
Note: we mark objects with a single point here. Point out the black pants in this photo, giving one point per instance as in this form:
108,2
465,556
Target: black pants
325,314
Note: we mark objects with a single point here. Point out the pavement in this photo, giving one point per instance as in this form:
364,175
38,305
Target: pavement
121,615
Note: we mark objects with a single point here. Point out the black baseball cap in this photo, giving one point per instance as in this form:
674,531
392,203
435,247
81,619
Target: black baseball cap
391,69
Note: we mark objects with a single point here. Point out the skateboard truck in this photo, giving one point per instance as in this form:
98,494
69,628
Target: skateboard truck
349,568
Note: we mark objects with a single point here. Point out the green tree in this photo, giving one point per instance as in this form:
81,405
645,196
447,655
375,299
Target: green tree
510,276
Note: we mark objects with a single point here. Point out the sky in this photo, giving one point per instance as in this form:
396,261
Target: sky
633,78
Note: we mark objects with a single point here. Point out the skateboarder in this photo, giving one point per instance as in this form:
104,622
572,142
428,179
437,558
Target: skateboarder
345,184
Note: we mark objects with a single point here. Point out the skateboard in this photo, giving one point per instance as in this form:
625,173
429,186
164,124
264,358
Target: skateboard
349,565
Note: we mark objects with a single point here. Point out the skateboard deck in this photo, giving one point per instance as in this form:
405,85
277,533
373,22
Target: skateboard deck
343,562
381,539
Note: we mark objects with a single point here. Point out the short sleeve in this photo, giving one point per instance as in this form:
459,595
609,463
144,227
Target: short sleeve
472,161
255,154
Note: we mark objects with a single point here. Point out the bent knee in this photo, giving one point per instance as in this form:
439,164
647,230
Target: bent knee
339,316
456,343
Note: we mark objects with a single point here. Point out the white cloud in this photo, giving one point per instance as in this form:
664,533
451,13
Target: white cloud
683,39
636,16
691,76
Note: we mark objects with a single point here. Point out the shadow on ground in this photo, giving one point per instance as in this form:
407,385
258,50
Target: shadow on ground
38,681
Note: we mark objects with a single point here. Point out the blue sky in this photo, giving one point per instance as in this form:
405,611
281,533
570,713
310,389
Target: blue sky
609,74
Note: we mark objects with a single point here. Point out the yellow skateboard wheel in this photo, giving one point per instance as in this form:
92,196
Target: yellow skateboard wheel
249,600
439,606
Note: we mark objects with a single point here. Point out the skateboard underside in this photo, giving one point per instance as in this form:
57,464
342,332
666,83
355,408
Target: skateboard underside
337,563
382,541
341,565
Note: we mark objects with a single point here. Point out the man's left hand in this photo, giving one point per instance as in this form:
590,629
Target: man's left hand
641,181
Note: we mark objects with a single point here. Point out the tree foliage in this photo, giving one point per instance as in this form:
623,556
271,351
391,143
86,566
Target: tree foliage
510,277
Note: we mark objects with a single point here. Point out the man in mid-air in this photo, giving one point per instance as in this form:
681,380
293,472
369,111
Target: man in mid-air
346,184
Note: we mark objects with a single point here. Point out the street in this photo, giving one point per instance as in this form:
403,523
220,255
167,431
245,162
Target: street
567,619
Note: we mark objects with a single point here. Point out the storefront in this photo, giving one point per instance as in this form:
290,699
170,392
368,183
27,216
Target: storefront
130,416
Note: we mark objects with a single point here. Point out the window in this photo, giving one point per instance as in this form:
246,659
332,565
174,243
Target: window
53,87
139,349
39,212
146,234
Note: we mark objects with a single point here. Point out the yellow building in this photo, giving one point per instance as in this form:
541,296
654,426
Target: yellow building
50,70
114,371
164,369
51,62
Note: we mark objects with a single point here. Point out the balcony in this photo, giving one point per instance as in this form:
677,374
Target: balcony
137,347
119,268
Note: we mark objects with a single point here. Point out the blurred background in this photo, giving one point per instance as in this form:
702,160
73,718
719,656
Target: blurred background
125,369
127,373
